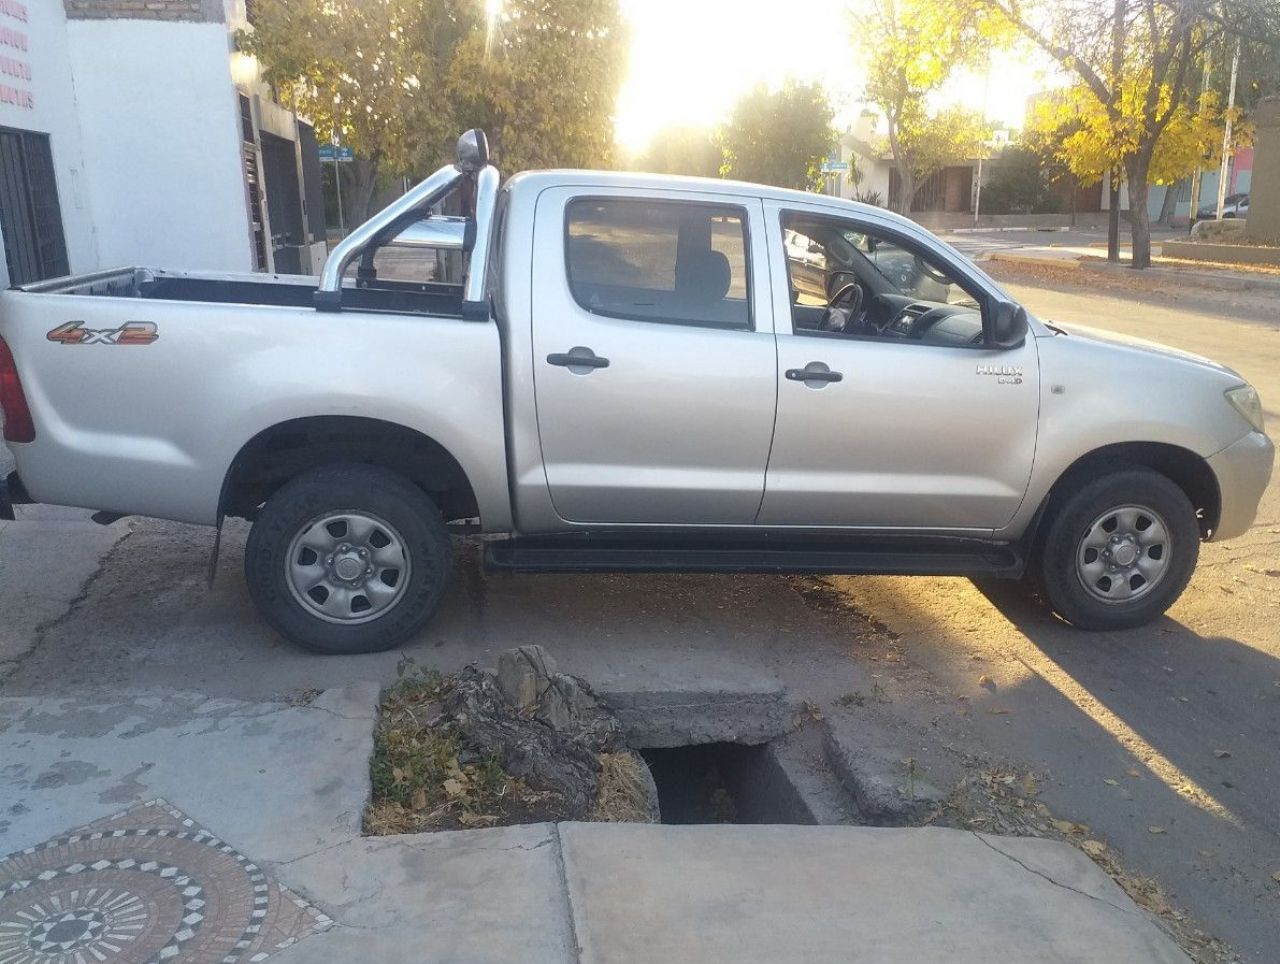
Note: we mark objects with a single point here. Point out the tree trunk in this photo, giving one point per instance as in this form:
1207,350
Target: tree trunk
1075,193
1169,206
364,177
1113,218
906,191
1138,167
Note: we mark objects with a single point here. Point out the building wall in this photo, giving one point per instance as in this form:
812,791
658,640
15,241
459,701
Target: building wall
189,10
158,118
46,103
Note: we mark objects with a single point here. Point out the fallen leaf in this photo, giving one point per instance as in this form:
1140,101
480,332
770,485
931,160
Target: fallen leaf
1111,783
1065,826
1276,876
1094,848
419,800
998,712
985,680
1029,785
1222,754
397,774
1156,830
1133,772
454,788
469,819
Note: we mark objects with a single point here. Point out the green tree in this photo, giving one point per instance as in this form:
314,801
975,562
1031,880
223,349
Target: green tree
1018,184
912,47
779,137
922,145
543,82
683,150
361,71
1135,62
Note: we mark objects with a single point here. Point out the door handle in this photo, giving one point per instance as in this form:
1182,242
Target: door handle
813,372
578,357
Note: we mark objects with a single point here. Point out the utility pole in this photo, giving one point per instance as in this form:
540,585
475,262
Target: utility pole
1225,168
1198,172
982,149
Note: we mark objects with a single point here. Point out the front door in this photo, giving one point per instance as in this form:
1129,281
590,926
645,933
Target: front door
654,360
925,426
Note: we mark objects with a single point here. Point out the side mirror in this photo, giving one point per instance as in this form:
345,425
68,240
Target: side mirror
1008,325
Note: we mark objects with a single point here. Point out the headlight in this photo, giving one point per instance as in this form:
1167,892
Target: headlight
1245,401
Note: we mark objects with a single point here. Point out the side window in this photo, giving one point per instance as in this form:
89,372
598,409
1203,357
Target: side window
671,262
849,279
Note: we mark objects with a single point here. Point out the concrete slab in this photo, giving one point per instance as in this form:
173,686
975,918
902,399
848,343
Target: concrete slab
276,780
44,567
467,897
816,894
660,710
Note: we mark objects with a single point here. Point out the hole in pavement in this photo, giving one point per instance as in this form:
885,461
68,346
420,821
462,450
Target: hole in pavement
720,783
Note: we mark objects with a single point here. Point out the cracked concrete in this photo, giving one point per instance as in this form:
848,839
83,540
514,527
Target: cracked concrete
34,603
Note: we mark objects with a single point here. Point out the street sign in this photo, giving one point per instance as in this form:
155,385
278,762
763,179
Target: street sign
328,152
832,167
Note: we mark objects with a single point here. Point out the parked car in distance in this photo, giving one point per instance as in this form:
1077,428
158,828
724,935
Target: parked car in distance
1235,206
625,372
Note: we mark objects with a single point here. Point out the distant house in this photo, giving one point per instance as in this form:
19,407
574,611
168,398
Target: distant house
866,152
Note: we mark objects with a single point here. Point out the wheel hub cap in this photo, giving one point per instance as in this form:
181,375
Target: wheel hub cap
347,567
1124,554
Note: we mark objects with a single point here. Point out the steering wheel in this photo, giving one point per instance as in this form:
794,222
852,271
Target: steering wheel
843,308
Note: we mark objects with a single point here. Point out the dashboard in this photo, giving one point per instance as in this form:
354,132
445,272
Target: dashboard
928,322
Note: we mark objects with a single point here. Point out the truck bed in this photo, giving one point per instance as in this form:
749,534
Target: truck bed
294,291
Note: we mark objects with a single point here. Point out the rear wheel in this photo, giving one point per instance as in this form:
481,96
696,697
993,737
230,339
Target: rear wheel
348,559
1119,551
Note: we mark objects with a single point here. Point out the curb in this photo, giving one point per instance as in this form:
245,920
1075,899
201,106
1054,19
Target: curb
1221,281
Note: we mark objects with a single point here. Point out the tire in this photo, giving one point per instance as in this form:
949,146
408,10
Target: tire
322,527
1085,570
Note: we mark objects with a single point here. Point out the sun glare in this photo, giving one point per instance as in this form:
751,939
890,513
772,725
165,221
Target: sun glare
690,60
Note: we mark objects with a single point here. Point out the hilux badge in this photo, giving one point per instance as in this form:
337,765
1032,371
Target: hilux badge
1004,374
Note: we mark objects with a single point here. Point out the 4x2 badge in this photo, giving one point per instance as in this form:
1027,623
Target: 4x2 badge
130,333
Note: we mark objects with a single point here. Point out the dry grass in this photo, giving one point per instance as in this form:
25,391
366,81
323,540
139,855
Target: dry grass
624,790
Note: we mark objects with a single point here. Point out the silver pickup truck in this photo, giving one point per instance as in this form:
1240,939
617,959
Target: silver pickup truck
622,372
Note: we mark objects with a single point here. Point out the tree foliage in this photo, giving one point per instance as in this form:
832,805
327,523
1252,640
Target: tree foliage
543,85
779,137
912,47
397,80
683,150
1018,184
1135,61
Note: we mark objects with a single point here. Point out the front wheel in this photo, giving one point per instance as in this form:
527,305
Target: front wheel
348,559
1119,550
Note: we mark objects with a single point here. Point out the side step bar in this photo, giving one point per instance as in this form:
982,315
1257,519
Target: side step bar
904,557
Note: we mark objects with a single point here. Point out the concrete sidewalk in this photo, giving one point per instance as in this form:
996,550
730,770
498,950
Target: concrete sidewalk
230,830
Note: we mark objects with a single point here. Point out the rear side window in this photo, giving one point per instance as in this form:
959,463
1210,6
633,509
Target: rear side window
670,262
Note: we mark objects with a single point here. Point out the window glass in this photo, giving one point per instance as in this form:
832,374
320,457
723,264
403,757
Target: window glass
852,281
659,261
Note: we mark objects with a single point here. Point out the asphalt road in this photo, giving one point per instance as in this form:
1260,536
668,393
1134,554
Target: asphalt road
1173,727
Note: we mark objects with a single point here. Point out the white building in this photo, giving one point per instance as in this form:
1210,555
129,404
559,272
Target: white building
131,132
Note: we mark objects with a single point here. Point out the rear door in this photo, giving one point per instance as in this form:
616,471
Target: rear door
654,358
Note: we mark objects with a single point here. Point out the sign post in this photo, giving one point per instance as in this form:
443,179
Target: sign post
339,155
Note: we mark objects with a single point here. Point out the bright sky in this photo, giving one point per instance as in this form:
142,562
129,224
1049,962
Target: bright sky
692,59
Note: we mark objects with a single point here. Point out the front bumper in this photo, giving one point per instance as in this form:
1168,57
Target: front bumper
1243,471
12,492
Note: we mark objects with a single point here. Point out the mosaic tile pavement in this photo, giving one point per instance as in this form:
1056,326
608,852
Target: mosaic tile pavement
145,886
